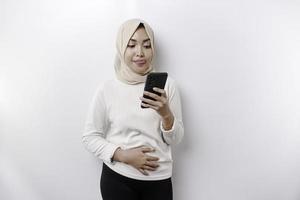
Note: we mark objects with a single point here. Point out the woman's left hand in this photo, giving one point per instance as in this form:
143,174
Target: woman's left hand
161,105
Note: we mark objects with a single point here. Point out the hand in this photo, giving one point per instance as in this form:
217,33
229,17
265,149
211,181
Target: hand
138,158
160,104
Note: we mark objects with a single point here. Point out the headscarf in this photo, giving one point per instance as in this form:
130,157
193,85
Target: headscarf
123,72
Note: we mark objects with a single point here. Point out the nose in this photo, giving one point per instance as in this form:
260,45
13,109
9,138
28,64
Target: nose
139,51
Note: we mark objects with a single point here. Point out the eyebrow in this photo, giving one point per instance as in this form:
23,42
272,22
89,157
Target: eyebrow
133,40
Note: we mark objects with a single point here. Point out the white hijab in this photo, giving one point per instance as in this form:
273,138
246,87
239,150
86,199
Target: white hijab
123,72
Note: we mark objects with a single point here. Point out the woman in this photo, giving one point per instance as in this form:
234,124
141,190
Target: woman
134,143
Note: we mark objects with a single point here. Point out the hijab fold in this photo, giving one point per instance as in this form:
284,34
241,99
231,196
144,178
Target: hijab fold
123,72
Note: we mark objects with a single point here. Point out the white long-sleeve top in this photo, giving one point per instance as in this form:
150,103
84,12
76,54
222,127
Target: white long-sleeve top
115,119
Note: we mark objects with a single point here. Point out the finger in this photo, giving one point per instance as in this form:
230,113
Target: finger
150,106
159,102
151,102
143,172
152,158
156,105
150,94
151,164
163,92
149,168
145,105
147,149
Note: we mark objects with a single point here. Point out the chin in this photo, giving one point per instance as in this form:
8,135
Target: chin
140,70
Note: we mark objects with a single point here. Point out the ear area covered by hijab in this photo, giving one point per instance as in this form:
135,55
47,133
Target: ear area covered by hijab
123,72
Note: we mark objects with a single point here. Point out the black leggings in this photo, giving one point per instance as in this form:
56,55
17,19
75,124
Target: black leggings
115,186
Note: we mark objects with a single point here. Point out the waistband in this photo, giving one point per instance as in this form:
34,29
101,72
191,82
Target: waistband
109,171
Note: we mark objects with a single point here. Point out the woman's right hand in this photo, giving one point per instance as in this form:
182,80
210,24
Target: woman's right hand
138,158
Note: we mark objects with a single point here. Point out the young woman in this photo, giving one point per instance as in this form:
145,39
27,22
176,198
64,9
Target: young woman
134,143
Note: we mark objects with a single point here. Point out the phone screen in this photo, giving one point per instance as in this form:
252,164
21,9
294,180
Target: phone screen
155,79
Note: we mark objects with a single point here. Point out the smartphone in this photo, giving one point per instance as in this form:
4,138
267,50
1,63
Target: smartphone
155,79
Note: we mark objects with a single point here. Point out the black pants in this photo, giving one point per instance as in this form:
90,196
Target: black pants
115,186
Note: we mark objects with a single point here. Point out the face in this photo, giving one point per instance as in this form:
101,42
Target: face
138,53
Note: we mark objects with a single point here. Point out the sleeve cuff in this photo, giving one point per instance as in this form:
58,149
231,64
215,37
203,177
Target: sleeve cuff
168,135
112,150
168,131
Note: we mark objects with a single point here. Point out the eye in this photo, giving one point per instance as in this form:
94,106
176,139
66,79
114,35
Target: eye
147,46
130,45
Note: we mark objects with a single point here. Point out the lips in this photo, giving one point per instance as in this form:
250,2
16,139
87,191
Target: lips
140,62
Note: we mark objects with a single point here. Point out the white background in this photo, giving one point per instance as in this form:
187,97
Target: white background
237,67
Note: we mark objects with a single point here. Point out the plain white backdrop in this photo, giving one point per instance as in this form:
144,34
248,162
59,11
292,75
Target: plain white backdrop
237,67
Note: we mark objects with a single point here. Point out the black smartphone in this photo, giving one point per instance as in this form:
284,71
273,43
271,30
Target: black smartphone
155,79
